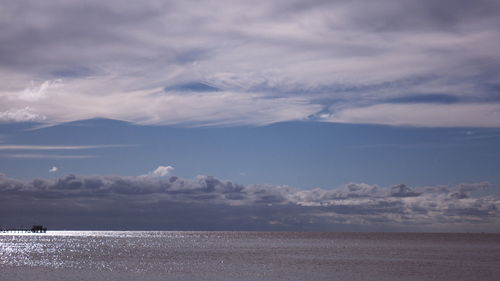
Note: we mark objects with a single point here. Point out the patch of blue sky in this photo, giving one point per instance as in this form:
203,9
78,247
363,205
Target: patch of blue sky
192,87
299,154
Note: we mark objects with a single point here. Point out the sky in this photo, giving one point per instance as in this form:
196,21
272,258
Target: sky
263,115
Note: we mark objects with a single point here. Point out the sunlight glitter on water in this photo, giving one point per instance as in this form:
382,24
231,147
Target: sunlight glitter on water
251,255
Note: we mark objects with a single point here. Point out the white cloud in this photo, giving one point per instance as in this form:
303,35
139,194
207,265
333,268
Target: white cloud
154,106
161,171
24,114
34,93
53,169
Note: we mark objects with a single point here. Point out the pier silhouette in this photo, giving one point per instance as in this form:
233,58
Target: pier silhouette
33,229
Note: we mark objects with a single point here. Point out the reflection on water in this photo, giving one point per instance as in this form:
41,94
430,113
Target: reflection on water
252,255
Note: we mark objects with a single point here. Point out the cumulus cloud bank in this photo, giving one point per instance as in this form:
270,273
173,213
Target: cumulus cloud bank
100,202
333,61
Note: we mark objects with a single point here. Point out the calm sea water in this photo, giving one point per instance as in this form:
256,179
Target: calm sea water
115,255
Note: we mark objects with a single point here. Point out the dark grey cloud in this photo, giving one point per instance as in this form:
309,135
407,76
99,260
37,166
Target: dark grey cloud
427,15
147,202
58,33
401,190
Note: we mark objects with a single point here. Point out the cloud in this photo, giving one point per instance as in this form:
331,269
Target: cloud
401,190
34,93
58,147
161,171
46,156
421,115
20,115
53,169
17,147
172,62
99,202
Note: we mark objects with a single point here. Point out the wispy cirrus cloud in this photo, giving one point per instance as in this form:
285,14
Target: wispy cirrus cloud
53,148
46,156
284,60
59,147
423,115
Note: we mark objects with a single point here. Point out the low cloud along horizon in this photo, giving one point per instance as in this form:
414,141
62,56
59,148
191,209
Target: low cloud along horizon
158,201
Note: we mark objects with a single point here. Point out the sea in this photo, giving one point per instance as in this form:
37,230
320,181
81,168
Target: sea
199,255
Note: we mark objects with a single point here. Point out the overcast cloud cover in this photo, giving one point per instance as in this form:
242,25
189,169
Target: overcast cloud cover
410,62
158,201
